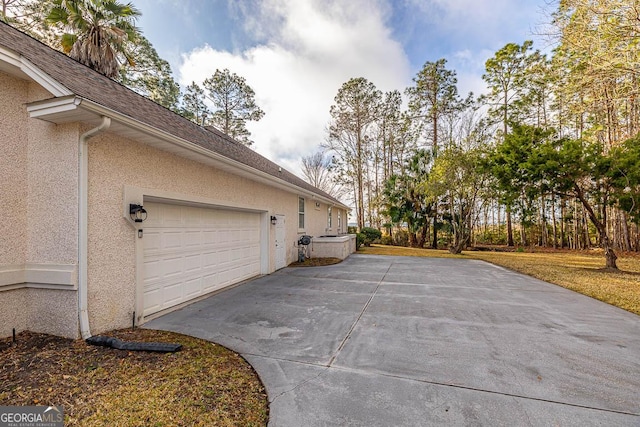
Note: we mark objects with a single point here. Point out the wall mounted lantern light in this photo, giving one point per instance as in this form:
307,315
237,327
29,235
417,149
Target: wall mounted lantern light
274,220
137,213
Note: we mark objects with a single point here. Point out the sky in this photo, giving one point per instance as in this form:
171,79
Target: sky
296,54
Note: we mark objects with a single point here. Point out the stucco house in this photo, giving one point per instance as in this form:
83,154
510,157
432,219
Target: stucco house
80,154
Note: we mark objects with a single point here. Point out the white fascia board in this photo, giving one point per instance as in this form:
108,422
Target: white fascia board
10,57
33,72
43,109
43,79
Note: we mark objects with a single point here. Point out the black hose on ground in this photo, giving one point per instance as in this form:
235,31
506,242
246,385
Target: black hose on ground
159,347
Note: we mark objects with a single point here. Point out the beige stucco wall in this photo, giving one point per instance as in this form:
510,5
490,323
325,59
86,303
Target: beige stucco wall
38,226
53,193
13,170
13,311
318,219
115,162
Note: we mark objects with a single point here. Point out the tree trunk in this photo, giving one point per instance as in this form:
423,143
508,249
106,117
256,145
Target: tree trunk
434,241
355,199
576,226
609,253
424,232
485,217
543,223
460,238
626,236
509,228
587,236
555,222
457,248
562,216
497,222
523,234
412,237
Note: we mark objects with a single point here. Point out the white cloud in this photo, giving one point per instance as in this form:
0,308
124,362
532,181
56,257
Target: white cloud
470,66
309,49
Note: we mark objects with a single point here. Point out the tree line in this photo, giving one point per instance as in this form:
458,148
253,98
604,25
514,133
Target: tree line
549,156
102,35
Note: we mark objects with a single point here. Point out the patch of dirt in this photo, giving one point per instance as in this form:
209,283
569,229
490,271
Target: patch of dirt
316,262
203,384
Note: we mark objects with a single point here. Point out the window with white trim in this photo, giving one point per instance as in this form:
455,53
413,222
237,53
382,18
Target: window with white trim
301,213
329,219
339,220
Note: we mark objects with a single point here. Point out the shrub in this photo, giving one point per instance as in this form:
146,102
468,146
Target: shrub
401,238
371,235
386,240
359,240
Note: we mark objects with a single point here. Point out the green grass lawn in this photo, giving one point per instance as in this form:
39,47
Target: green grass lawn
582,272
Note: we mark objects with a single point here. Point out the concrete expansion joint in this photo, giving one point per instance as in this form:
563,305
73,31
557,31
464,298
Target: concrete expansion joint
284,359
346,338
297,386
325,368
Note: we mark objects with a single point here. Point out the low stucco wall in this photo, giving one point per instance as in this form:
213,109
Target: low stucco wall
333,247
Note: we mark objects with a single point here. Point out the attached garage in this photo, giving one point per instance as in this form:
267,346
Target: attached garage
83,152
192,251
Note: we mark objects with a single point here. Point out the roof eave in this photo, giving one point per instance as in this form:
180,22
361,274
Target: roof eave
76,109
24,68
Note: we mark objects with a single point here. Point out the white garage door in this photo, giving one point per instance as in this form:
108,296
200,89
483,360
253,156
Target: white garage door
191,251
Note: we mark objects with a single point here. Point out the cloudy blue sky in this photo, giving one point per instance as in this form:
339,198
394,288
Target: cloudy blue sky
297,53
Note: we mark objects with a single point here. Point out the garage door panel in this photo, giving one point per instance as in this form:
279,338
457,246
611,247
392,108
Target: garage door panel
224,236
172,294
209,282
211,258
193,238
151,271
172,239
153,240
192,288
153,300
172,216
193,263
191,251
171,266
209,236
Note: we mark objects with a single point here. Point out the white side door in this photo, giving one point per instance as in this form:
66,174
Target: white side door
281,242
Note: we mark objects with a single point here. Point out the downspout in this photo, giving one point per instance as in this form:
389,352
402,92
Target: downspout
83,219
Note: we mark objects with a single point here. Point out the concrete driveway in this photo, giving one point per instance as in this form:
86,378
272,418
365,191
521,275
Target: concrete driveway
400,341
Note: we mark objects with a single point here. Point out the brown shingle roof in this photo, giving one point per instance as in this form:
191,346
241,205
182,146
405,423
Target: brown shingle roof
89,84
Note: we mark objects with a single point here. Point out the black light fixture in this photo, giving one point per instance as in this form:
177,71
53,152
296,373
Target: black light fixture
137,213
274,220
